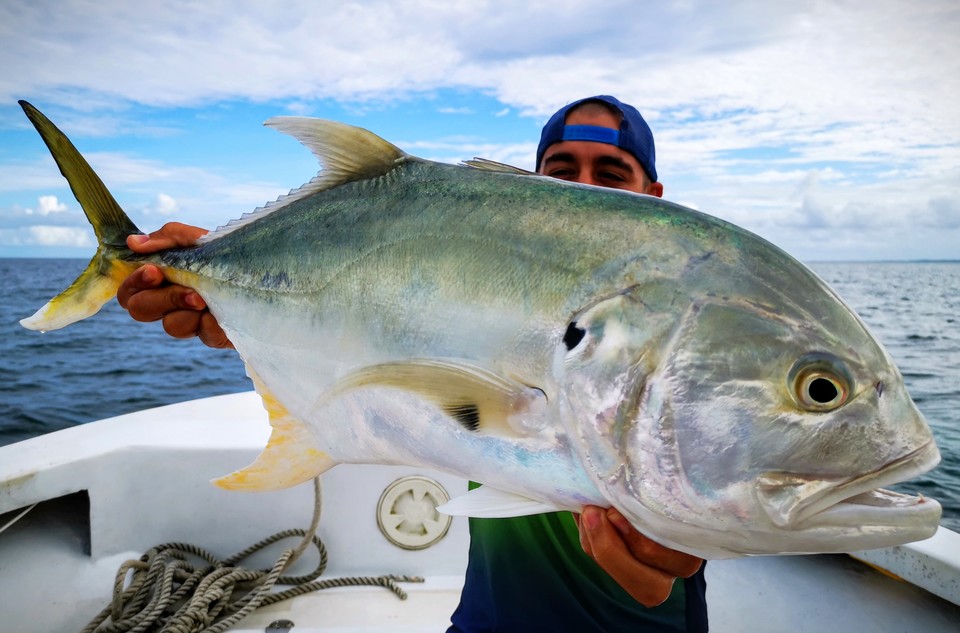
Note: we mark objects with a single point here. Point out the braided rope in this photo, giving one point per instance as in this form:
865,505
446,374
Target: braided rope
169,594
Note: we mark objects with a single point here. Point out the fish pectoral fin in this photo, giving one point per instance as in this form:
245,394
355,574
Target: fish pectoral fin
480,400
291,456
490,503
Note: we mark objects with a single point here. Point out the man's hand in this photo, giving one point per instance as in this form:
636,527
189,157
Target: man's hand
148,296
645,569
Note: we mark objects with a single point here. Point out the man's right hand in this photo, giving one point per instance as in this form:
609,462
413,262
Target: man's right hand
148,296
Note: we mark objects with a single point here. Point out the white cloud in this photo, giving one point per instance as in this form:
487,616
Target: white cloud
47,205
39,175
883,74
64,236
456,149
165,205
827,57
747,98
50,204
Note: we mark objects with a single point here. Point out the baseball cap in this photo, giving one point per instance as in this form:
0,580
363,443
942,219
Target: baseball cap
634,135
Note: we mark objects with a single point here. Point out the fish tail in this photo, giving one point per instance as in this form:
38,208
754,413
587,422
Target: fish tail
112,262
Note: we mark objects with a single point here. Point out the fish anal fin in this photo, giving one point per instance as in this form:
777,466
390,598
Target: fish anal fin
291,456
479,399
490,503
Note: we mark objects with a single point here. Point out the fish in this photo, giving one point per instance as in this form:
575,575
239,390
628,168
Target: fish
563,344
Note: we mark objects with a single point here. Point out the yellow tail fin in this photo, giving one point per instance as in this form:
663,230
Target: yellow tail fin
109,266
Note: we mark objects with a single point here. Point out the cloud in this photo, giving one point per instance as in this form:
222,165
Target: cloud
699,55
850,79
65,236
746,98
459,148
942,212
164,205
47,205
455,110
32,176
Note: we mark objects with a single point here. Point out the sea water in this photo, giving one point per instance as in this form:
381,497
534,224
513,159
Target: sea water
109,364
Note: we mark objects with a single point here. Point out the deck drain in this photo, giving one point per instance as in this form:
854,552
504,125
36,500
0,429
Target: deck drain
407,512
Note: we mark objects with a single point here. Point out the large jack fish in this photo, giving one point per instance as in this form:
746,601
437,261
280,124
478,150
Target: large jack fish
563,344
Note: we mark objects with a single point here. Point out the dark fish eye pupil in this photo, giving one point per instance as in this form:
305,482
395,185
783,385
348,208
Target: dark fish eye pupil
573,335
822,390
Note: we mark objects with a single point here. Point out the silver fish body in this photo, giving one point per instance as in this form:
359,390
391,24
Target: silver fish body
563,344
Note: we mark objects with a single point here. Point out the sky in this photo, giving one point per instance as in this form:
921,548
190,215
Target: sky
831,129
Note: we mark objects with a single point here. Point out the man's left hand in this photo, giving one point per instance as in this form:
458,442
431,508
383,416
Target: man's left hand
644,568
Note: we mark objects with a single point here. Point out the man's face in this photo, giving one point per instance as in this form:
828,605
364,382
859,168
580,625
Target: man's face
596,163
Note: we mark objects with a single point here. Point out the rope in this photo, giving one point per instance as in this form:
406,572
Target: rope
17,518
169,594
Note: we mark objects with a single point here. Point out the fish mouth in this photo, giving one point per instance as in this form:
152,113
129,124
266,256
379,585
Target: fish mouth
797,502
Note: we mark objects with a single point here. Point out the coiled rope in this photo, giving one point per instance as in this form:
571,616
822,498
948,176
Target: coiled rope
168,594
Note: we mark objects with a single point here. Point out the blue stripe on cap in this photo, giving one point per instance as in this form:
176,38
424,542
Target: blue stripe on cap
594,133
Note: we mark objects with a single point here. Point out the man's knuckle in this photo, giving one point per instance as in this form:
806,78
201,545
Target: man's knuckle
604,550
138,310
691,568
179,324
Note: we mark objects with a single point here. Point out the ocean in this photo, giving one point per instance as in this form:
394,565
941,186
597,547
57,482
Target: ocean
108,365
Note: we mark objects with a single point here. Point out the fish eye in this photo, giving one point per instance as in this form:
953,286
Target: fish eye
819,383
573,335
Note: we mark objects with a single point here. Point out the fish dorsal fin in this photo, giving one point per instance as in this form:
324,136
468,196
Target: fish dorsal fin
490,503
479,400
346,154
486,164
291,456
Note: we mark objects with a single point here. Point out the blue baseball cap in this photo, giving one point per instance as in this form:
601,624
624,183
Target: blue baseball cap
634,135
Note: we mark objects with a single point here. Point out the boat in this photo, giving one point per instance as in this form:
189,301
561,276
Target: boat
76,504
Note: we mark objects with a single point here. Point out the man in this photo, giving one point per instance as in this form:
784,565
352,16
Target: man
555,572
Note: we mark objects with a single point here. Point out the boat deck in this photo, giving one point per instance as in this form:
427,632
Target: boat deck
108,491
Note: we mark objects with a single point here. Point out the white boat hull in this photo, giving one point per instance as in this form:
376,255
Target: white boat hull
109,491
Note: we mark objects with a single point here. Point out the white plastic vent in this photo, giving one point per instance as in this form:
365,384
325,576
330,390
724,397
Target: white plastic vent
407,512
